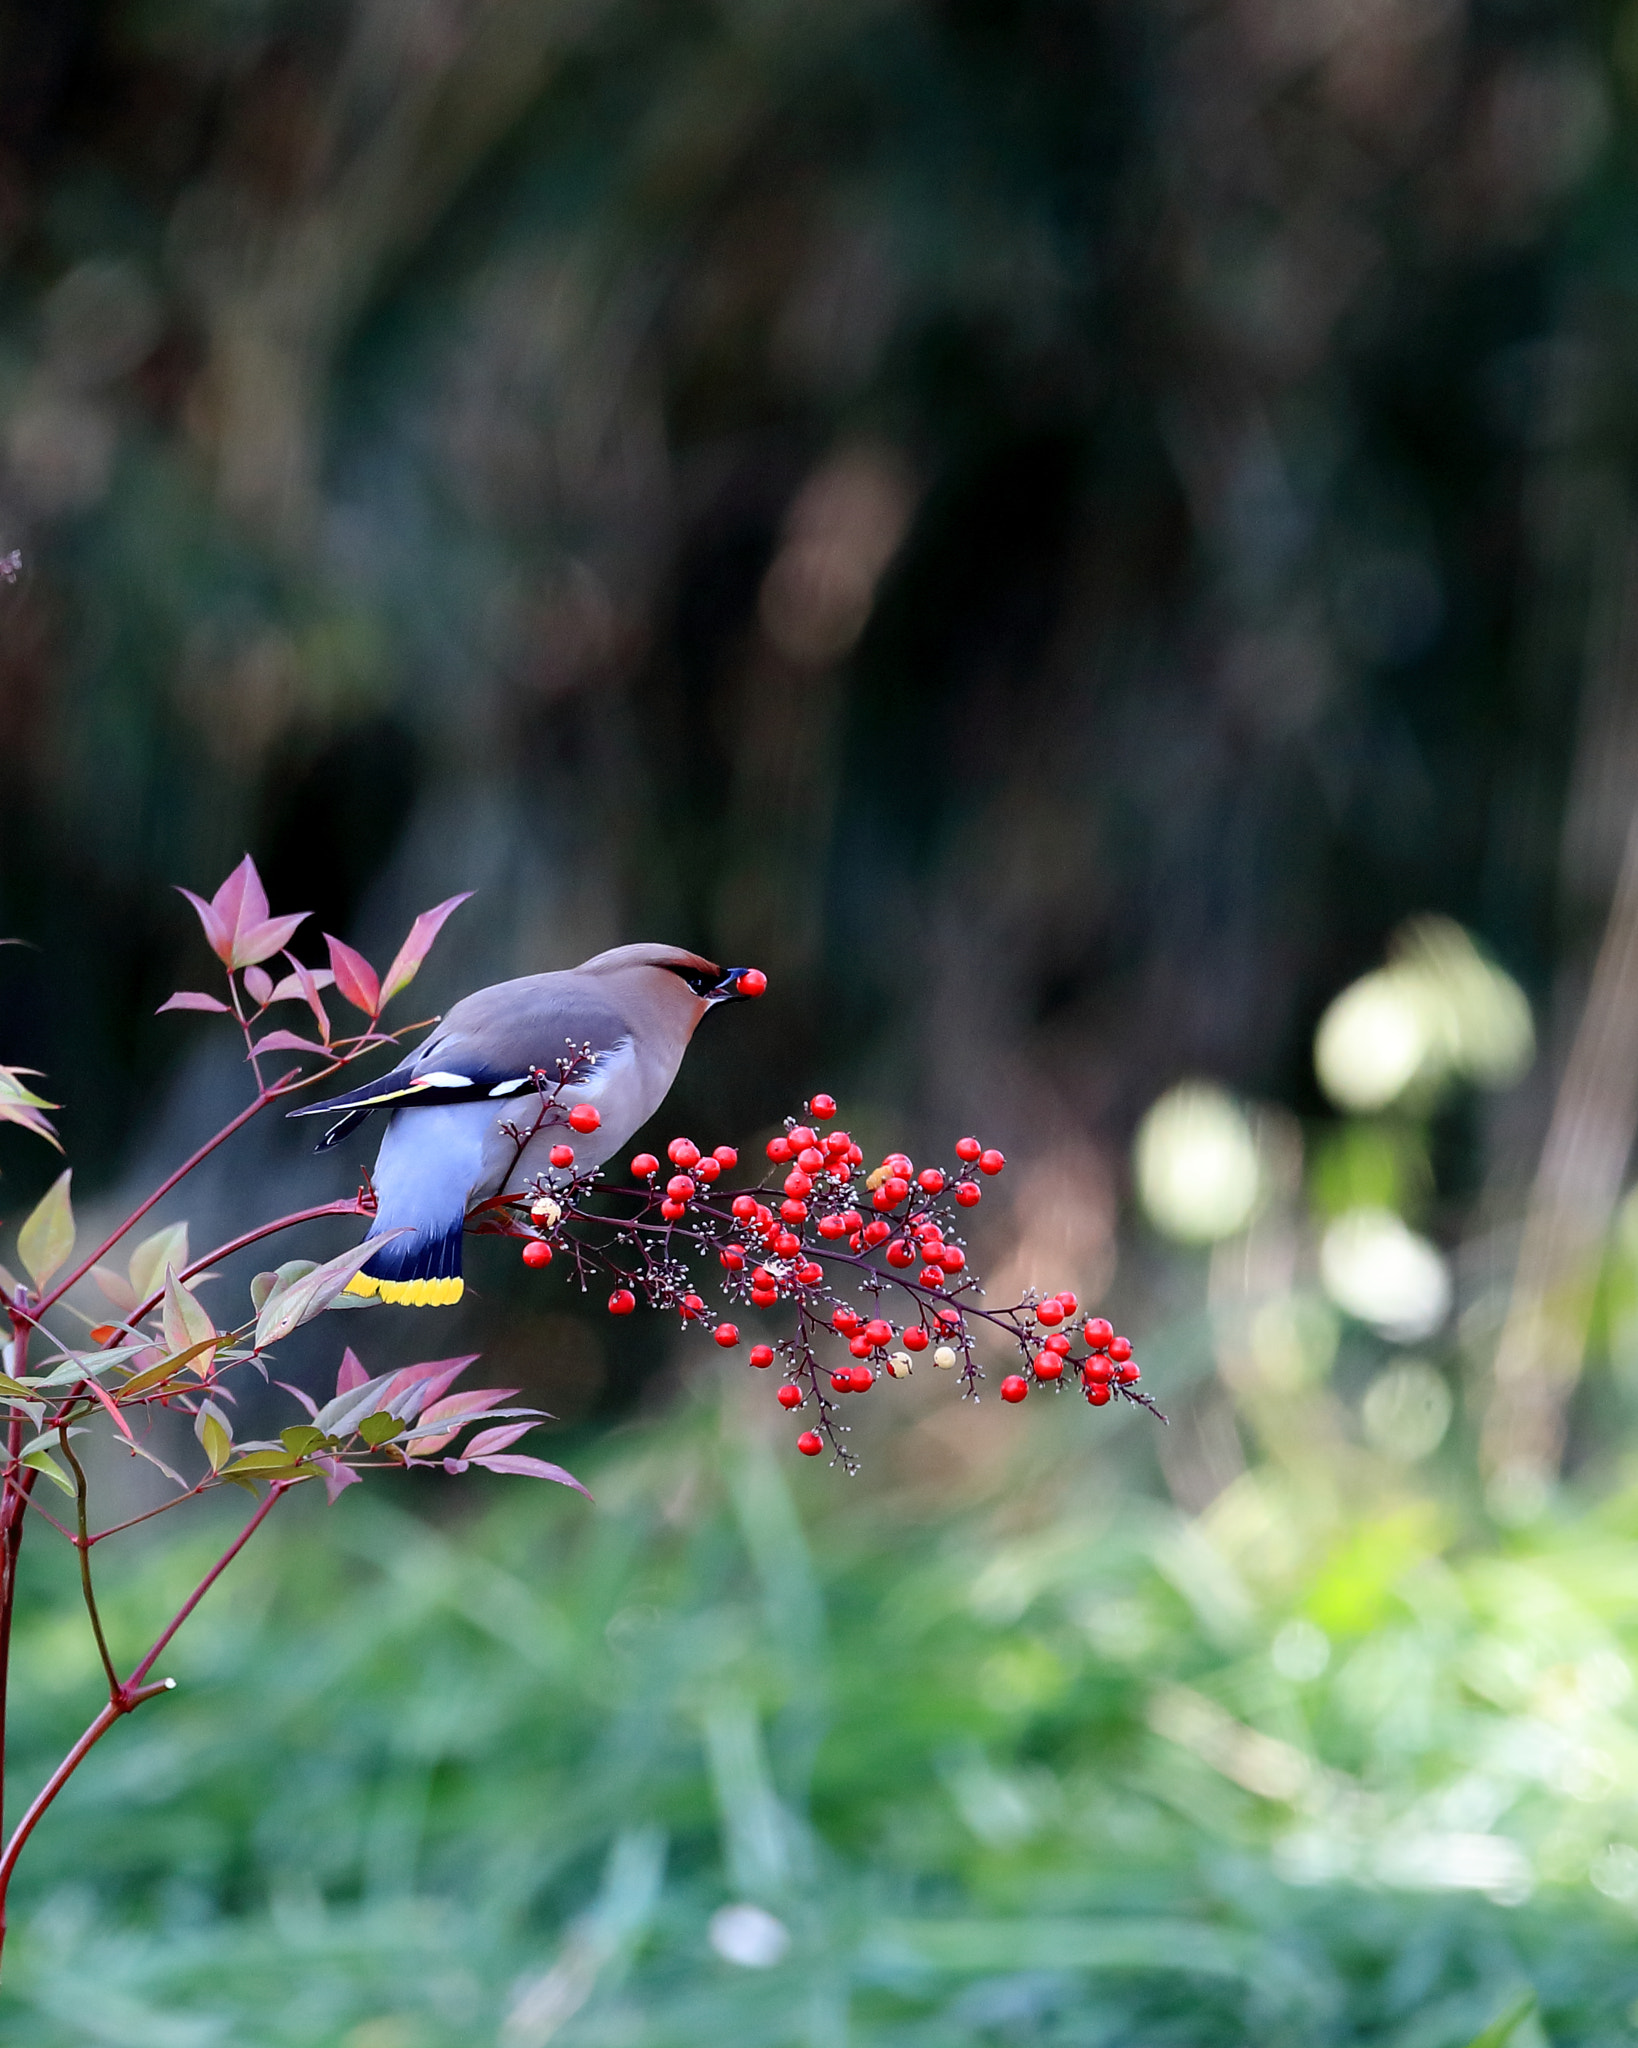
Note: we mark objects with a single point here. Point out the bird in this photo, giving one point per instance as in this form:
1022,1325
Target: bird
467,1120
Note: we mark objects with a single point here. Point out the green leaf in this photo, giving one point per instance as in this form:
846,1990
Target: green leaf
379,1428
301,1438
311,1295
43,1461
20,1105
215,1433
263,1463
46,1241
146,1265
186,1325
14,1390
266,1285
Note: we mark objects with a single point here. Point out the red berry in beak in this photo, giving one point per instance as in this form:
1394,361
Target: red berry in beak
752,982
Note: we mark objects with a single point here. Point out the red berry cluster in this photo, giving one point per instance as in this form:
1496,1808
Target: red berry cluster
828,1229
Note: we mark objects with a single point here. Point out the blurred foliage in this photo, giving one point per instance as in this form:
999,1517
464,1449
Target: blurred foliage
1013,1753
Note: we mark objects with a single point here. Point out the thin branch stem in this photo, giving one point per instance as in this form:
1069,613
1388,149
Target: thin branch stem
82,1543
274,1493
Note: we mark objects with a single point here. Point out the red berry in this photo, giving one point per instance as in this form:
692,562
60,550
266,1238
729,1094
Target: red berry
792,1210
683,1152
931,1179
860,1346
622,1301
762,1278
810,1159
876,1231
895,1189
899,1253
1070,1304
673,1212
786,1243
1097,1331
915,1340
751,981
1014,1387
952,1258
1097,1393
836,1143
561,1155
852,1219
726,1335
764,1297
707,1169
846,1320
797,1184
1127,1373
968,1193
1058,1342
762,1355
810,1443
841,1380
643,1165
537,1253
832,1226
1049,1366
810,1273
583,1118
691,1306
1120,1349
1049,1313
780,1149
862,1379
1097,1371
992,1162
789,1396
878,1332
802,1135
932,1276
951,1316
726,1157
732,1257
823,1107
882,1199
744,1207
898,1164
968,1148
680,1188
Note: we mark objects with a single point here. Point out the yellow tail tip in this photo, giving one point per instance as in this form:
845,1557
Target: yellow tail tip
409,1293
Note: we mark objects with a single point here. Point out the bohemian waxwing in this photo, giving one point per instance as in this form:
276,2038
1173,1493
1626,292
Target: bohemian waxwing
445,1147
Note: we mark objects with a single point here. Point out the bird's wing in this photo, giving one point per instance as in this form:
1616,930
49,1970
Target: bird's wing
491,1046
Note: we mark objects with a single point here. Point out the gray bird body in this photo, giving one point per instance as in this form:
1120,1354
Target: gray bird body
458,1104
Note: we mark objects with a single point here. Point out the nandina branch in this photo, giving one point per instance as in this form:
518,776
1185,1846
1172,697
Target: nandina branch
82,1543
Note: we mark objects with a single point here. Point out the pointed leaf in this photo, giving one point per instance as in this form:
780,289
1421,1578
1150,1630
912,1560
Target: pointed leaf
337,1477
300,1438
531,1468
265,1464
259,983
266,1285
352,1374
462,1406
186,1325
431,1380
259,942
379,1429
146,1265
241,900
218,933
406,963
116,1288
284,1041
356,979
310,1296
488,1441
215,1433
43,1461
308,981
190,999
342,1416
304,1398
46,1241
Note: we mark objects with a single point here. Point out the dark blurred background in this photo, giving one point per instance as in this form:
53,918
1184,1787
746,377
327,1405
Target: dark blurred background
1069,533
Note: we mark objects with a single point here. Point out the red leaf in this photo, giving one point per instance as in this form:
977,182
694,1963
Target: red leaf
260,941
260,984
189,999
488,1441
355,977
439,1373
285,1041
453,1406
218,936
531,1468
352,1374
241,900
417,946
337,1477
309,980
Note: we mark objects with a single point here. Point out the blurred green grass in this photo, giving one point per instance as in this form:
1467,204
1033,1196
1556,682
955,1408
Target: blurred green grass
1016,1754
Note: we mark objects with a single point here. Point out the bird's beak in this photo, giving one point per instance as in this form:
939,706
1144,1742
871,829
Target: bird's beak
738,985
